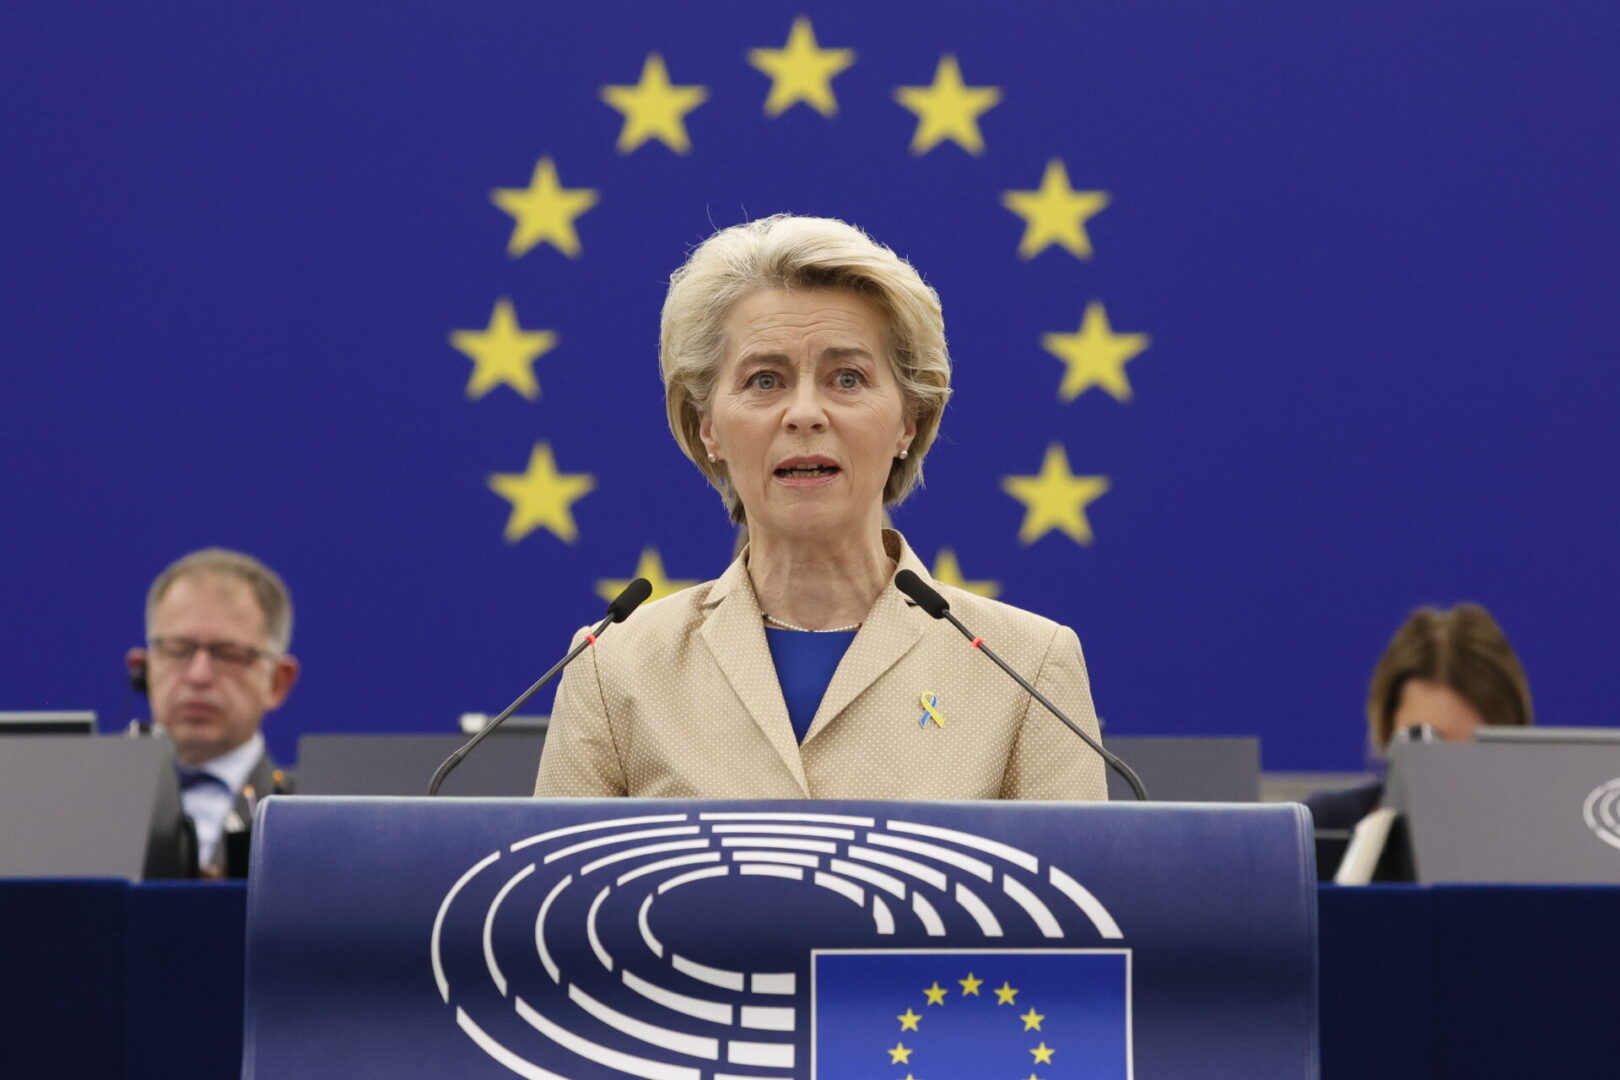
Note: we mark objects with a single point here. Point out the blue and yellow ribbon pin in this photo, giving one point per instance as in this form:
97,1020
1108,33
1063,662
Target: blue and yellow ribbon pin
930,704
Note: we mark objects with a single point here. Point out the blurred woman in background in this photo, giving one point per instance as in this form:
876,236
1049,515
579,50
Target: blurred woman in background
1446,673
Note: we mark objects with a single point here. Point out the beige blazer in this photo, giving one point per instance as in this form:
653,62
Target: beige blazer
681,701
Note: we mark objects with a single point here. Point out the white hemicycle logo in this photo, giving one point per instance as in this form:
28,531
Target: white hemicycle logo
695,1017
1600,812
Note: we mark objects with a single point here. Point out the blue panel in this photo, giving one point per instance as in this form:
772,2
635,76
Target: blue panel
186,960
62,978
1378,983
1373,248
555,932
1524,981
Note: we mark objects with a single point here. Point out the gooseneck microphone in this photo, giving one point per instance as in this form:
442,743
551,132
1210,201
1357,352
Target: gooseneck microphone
934,604
618,611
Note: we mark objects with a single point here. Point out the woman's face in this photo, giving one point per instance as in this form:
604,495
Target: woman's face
807,416
1438,706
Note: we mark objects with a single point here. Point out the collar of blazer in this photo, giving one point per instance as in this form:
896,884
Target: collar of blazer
734,631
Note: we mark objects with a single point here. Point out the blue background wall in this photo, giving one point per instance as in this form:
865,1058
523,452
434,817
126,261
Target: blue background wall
1374,248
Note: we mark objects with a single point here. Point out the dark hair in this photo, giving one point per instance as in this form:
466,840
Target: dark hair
1463,649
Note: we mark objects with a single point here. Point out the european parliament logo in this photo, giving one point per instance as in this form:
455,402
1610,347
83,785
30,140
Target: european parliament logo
1601,811
755,945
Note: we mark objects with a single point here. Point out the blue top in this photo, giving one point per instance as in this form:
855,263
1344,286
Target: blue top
805,662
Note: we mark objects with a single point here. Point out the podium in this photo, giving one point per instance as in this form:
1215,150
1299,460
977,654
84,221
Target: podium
710,940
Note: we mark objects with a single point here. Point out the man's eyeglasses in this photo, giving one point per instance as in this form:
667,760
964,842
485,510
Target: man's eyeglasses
227,653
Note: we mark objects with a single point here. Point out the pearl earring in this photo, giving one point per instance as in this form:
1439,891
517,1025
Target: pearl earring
713,458
904,454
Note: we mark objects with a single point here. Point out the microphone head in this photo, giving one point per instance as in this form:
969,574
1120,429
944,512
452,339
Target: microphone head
919,591
630,599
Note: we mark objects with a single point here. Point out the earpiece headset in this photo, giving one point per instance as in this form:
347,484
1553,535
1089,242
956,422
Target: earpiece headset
137,678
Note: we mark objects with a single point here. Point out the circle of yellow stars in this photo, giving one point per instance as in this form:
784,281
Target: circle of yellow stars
655,108
1006,994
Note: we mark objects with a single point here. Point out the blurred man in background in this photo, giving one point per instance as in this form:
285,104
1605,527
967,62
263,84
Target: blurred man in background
218,624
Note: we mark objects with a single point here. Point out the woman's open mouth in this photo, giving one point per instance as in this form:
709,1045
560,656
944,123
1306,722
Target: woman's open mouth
806,471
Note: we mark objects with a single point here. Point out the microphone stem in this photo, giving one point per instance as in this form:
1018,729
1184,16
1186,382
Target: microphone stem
455,759
1114,762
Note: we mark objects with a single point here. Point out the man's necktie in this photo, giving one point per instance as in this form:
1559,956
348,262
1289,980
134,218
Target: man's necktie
191,779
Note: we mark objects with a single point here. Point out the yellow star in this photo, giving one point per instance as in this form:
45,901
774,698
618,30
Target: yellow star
651,567
503,353
936,994
1005,994
801,71
1043,1054
1096,356
948,109
970,985
1032,1075
908,1020
541,496
1056,499
1032,1020
654,109
949,571
900,1055
545,211
1056,214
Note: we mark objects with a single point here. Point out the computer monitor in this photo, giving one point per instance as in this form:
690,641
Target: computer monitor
98,807
1188,768
1504,733
48,722
1518,811
504,765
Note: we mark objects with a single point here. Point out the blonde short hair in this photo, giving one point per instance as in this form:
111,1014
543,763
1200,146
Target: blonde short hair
268,589
1463,649
788,252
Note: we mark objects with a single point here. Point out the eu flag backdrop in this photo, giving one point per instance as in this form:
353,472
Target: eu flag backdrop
1270,321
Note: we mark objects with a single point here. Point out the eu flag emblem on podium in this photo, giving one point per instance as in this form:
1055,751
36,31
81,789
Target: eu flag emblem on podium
968,1014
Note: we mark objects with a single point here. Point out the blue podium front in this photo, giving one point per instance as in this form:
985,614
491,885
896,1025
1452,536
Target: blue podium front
607,939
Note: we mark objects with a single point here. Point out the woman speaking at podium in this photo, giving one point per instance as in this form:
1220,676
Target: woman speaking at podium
805,372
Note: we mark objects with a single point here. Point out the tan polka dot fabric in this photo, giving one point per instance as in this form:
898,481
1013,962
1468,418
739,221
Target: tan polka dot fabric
681,701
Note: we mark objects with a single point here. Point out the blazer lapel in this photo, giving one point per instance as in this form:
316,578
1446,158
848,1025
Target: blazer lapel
889,632
734,632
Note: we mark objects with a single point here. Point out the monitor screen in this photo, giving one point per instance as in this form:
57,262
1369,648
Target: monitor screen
1514,734
48,723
